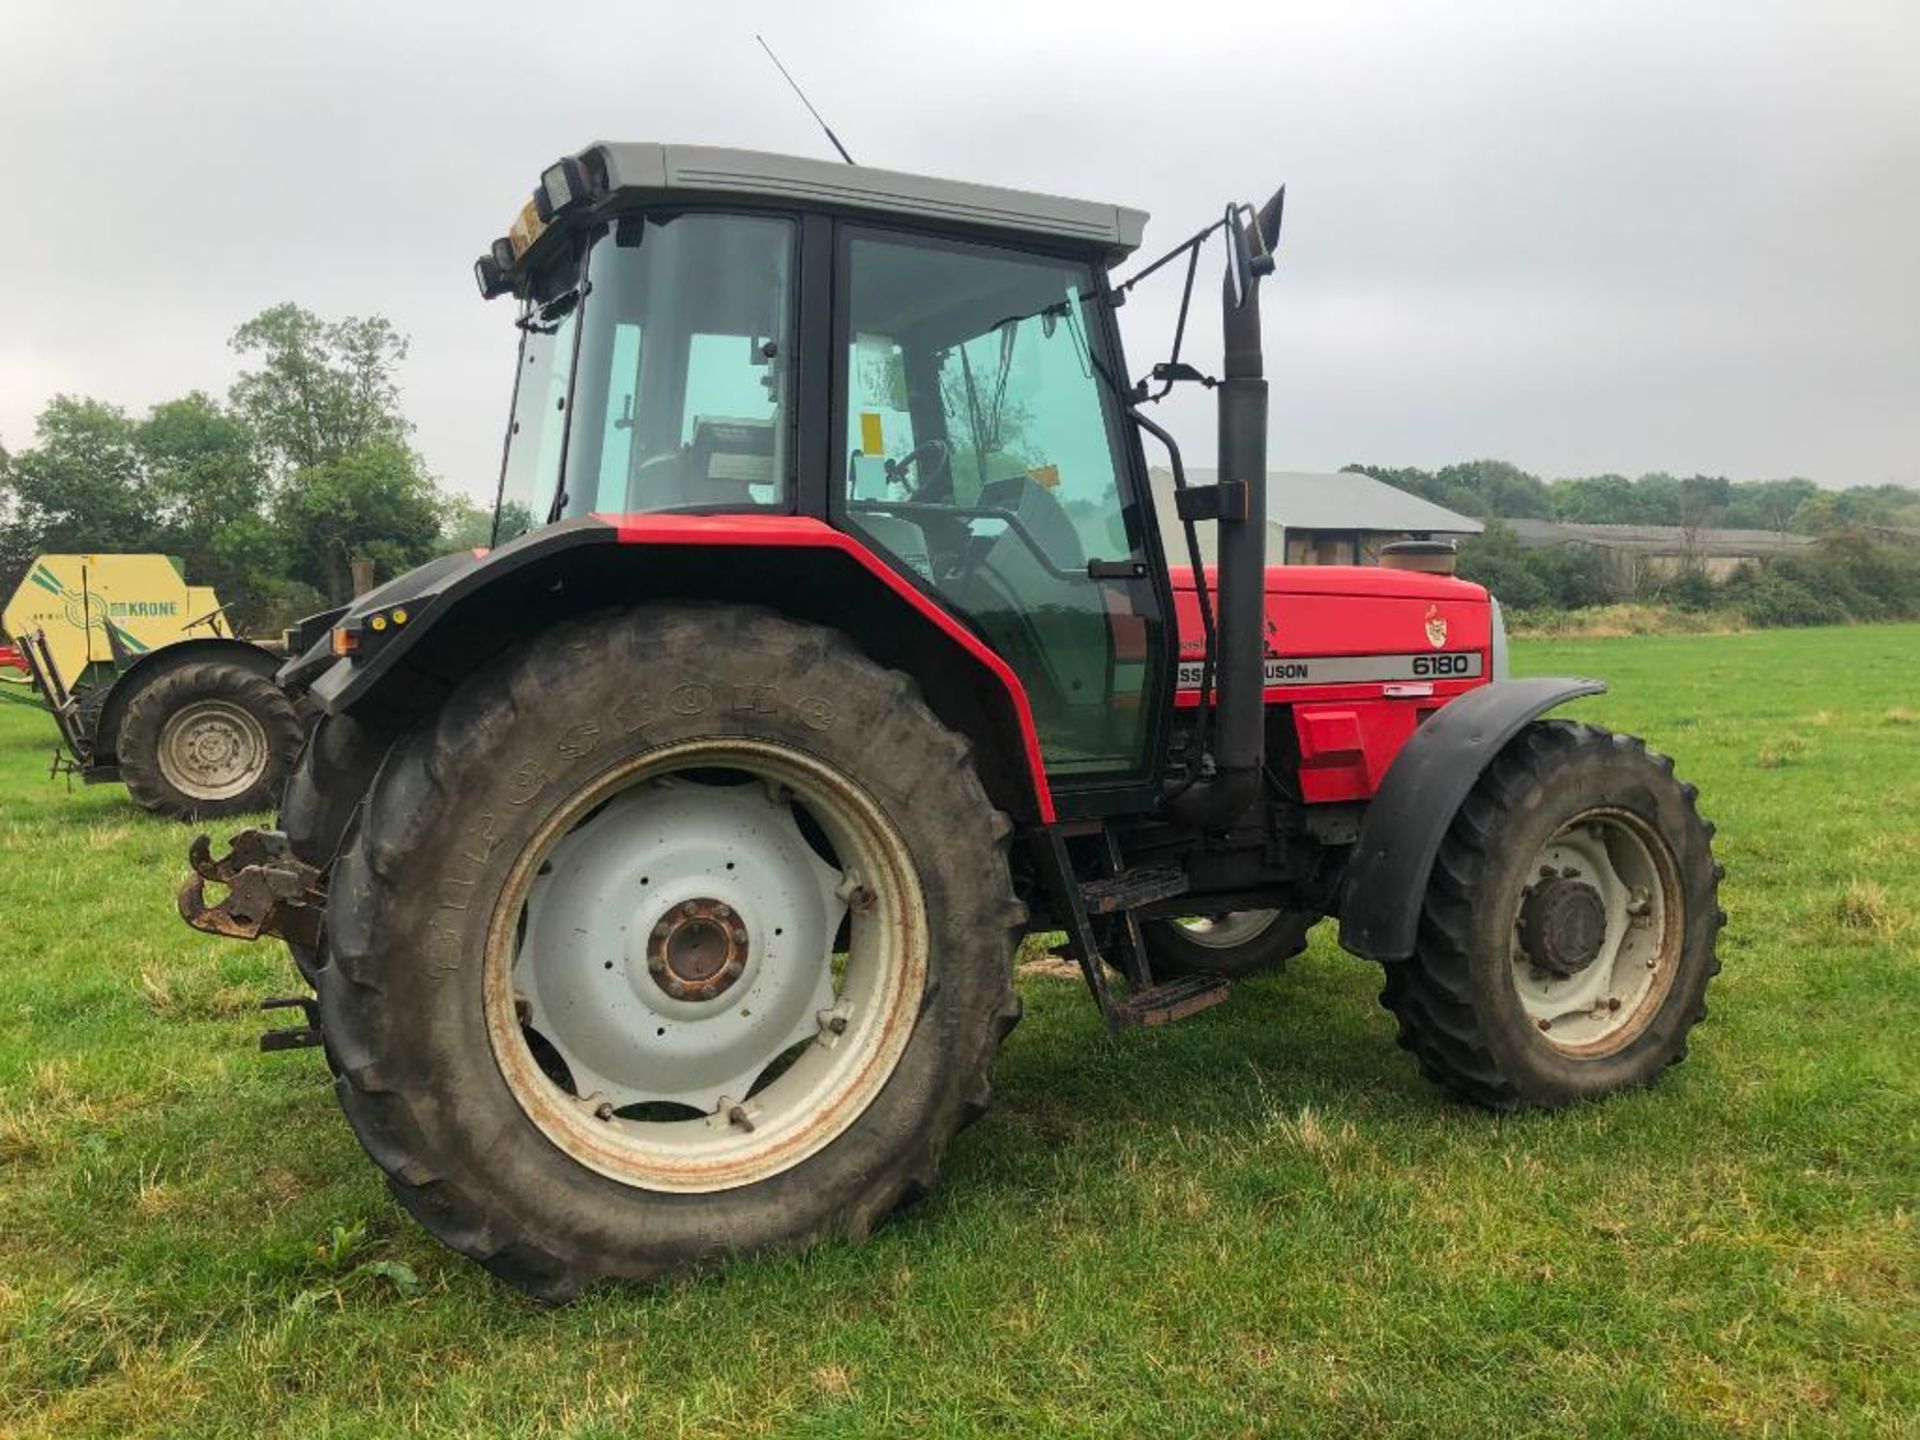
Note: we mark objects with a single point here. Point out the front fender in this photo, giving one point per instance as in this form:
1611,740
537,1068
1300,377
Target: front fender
1387,877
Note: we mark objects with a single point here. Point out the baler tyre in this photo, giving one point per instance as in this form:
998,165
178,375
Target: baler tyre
207,739
1567,931
562,1085
331,778
1236,945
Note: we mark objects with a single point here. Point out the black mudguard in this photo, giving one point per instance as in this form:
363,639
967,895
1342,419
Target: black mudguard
1409,815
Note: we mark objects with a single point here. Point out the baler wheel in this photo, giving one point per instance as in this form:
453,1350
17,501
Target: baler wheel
207,739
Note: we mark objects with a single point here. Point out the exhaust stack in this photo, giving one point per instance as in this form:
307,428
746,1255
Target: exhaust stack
1239,741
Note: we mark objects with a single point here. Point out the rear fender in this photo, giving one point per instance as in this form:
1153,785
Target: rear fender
1386,879
462,612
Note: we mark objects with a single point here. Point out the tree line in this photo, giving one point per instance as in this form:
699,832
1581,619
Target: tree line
1494,489
1864,566
269,494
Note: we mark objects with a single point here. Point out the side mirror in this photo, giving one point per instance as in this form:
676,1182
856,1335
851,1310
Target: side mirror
1250,246
1240,271
1269,221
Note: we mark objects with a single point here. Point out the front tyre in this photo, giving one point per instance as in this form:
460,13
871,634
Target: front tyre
1567,933
678,933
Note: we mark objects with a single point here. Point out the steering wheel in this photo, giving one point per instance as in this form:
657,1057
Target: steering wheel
935,449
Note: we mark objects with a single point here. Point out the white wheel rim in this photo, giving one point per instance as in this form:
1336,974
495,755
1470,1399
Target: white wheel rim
671,939
212,750
1601,1007
1229,931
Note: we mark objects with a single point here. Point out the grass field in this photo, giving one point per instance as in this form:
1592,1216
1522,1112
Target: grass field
1257,1221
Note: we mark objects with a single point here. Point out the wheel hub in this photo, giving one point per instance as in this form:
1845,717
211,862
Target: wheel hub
691,867
697,950
212,749
677,941
1563,925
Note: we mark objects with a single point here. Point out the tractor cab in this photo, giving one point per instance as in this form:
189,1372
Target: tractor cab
927,366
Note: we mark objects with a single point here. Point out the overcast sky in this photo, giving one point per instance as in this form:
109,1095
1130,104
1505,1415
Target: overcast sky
1582,237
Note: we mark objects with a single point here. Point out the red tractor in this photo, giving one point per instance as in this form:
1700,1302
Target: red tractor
659,873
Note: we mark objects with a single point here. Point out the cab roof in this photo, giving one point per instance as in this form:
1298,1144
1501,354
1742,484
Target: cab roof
650,170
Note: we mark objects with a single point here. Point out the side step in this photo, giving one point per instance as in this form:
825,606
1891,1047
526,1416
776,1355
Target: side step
1159,1004
1114,897
1130,889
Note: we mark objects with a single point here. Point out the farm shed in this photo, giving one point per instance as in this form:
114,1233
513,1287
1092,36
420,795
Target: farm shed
1320,519
1633,554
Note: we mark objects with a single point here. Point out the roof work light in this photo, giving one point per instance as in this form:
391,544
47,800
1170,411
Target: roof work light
561,184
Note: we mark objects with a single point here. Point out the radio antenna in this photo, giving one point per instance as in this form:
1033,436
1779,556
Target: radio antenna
835,139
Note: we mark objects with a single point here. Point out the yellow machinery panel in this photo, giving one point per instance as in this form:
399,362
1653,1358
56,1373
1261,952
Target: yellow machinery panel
85,602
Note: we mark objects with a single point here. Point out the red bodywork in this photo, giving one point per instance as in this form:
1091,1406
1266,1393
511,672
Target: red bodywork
1348,731
1364,616
12,659
800,531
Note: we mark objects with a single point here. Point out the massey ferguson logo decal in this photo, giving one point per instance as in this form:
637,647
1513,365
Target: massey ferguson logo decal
1352,669
1436,627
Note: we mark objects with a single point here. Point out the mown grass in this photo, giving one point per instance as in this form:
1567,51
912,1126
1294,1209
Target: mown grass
1257,1221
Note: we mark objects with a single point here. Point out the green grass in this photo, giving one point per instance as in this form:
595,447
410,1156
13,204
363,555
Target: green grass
1257,1221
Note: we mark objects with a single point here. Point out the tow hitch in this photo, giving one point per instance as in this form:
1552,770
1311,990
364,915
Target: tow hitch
269,890
296,1037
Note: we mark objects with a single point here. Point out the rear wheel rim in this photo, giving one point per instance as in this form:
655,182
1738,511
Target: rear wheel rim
212,750
1584,1005
663,991
1226,932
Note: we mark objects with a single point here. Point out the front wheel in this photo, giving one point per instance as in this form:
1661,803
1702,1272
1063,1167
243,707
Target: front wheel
679,933
1567,933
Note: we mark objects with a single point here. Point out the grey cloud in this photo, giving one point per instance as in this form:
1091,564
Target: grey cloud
1585,238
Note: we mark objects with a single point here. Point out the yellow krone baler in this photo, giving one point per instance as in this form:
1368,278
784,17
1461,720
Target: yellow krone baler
85,603
150,685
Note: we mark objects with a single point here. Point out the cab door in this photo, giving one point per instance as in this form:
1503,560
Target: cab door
985,456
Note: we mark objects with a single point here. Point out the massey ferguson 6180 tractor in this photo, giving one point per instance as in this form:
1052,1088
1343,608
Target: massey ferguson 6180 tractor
659,873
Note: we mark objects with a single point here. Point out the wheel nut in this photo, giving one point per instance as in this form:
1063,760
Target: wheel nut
739,935
837,1024
690,908
603,1111
1544,1024
1613,1002
721,912
657,965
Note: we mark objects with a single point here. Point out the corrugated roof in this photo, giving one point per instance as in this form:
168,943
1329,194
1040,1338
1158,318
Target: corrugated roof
1309,500
1656,539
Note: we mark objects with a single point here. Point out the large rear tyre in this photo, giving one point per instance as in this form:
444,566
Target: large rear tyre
207,739
1237,944
679,933
1567,933
324,793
